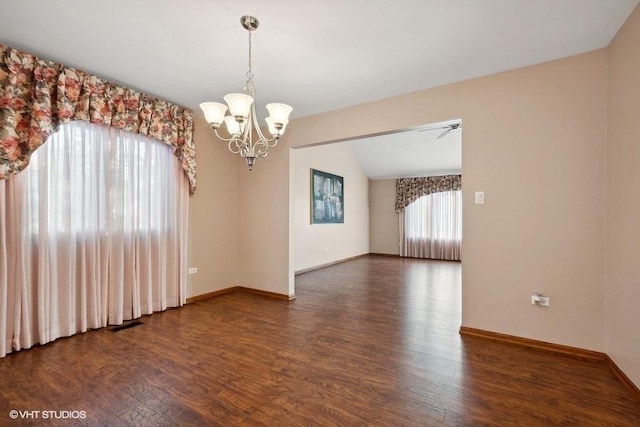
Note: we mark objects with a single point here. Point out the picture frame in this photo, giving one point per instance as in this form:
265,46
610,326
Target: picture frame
327,198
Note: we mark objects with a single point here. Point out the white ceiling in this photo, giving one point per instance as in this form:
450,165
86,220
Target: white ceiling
316,55
416,152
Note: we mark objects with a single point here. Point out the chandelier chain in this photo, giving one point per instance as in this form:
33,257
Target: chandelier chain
249,84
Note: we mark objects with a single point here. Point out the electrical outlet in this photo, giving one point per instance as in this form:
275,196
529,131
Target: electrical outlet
193,270
540,300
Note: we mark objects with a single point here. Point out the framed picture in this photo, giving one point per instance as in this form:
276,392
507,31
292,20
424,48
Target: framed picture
327,198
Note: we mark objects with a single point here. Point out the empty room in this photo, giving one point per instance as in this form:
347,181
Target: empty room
321,213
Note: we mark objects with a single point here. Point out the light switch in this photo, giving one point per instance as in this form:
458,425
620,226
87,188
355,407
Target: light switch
479,197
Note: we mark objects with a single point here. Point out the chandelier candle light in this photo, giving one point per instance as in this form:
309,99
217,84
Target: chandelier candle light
242,119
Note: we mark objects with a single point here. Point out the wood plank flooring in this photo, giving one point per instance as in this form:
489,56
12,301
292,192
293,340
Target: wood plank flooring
373,341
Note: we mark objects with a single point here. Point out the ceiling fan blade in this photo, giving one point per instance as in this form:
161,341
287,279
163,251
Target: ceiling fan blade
447,129
444,133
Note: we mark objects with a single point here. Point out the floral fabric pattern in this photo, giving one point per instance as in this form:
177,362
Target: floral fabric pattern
38,95
408,190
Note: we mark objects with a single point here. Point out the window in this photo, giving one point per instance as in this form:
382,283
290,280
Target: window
82,179
95,230
431,227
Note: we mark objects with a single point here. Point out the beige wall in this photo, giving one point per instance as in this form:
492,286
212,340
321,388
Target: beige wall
320,244
213,219
623,200
383,220
263,217
534,141
537,151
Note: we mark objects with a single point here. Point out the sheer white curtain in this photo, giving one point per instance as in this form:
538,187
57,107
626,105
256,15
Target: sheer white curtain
431,227
92,233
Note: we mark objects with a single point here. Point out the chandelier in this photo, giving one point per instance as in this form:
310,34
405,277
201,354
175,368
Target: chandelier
242,120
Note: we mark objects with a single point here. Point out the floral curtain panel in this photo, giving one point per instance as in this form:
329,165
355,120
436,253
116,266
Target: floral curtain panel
38,95
408,190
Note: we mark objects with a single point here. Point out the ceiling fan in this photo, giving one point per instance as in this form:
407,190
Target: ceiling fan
449,128
446,129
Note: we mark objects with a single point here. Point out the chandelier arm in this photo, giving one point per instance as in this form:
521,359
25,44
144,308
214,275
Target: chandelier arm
247,133
263,145
262,151
221,137
254,117
261,136
239,145
273,140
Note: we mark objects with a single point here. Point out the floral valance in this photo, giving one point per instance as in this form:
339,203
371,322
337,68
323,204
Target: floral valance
38,95
408,190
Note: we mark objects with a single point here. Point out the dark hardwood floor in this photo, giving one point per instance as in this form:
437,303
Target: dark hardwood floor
373,341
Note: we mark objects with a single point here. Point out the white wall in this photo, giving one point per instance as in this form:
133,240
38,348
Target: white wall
319,244
384,235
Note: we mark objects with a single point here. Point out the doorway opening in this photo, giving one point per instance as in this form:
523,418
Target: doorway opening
369,166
